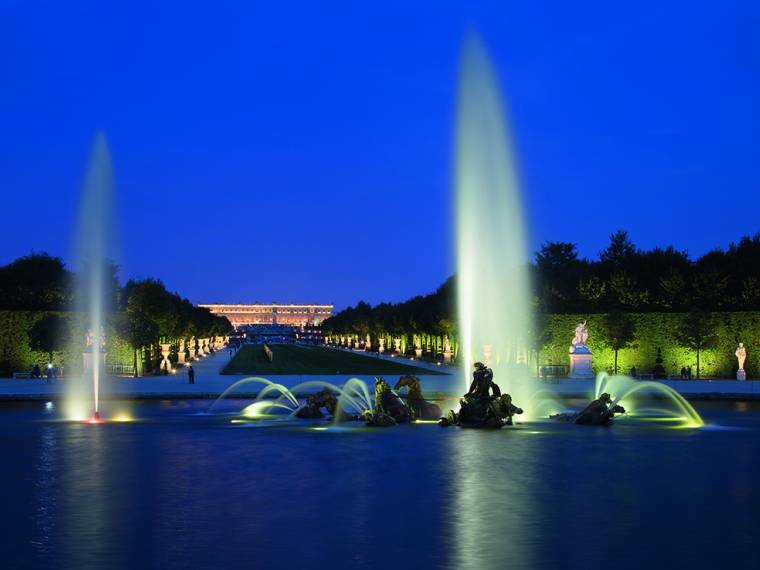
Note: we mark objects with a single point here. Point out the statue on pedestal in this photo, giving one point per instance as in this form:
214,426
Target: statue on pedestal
580,355
741,355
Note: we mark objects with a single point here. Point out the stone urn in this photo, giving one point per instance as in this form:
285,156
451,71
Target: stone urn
166,364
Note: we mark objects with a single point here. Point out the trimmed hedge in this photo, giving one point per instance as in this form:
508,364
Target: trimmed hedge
657,330
653,331
17,356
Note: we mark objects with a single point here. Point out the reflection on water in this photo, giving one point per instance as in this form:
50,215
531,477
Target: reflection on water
179,490
46,503
492,500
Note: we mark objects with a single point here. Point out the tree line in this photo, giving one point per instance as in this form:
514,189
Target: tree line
142,312
623,280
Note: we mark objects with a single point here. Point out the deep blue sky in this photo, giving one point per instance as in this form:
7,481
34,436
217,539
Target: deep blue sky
317,136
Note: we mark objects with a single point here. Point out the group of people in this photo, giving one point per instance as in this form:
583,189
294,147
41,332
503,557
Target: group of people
50,374
686,373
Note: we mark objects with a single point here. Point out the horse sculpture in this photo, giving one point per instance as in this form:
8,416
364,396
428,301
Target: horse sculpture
312,409
389,409
421,409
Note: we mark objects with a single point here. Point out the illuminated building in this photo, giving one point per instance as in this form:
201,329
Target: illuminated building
274,314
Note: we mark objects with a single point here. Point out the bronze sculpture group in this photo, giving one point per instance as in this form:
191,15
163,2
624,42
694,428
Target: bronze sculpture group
483,406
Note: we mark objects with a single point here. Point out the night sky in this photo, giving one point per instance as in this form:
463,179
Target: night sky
302,151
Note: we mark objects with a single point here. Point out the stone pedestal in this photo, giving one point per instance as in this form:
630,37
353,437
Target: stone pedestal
87,361
381,345
580,362
418,352
397,345
181,352
741,374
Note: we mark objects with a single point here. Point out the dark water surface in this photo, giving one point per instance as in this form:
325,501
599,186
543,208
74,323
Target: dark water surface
179,490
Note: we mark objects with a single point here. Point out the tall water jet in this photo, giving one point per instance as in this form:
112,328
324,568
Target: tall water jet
95,286
493,292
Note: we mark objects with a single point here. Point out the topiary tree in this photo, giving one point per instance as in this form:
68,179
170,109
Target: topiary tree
50,334
618,331
137,330
697,333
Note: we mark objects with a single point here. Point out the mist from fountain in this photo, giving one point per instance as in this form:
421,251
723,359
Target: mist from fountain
95,248
493,291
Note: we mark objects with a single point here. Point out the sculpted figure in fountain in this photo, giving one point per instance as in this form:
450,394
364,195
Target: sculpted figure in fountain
389,409
599,412
741,355
312,409
420,407
484,406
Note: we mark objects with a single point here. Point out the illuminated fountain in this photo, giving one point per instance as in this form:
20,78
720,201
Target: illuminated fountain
491,254
648,400
94,247
353,396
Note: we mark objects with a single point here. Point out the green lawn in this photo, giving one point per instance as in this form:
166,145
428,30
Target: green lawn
293,359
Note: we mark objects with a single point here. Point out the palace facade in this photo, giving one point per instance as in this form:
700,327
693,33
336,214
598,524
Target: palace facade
256,314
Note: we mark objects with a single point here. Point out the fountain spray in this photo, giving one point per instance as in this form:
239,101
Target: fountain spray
493,292
95,246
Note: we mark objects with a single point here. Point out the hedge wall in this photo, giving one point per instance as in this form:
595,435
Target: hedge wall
657,330
17,356
653,331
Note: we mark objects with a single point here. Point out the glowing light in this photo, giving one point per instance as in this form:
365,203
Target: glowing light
320,428
425,422
626,388
49,405
123,418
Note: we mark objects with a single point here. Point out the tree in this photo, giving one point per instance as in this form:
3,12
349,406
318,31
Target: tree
592,289
697,333
558,269
50,334
36,282
626,291
619,332
151,298
620,250
672,289
137,330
